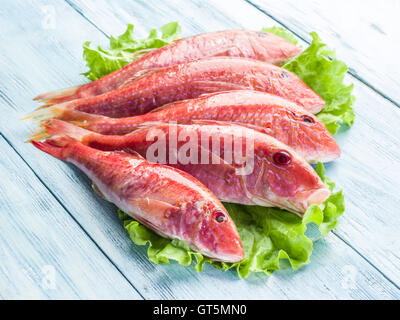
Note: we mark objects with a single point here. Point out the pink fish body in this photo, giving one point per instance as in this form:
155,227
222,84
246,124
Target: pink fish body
271,174
168,201
278,117
189,80
235,43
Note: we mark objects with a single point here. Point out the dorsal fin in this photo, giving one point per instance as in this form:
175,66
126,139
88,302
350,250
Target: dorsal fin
212,122
138,75
168,105
131,152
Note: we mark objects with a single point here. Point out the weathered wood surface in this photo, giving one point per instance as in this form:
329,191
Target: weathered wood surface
365,33
40,54
44,253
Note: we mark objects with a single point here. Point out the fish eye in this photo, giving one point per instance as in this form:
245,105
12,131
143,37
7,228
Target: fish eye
219,217
281,158
307,119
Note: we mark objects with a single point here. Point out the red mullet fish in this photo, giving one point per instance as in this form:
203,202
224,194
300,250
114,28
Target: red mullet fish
170,202
280,118
158,87
236,163
261,46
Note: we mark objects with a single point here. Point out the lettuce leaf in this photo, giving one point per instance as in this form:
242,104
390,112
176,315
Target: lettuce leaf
125,49
268,235
319,69
282,32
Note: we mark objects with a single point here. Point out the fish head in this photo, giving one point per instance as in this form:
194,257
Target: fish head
217,236
314,141
289,182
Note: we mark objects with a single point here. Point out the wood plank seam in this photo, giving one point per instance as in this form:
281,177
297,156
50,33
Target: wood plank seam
73,6
354,75
43,254
366,260
73,218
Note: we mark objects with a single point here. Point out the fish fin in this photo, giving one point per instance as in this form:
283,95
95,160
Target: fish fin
154,207
43,114
43,106
156,203
261,202
148,124
227,52
97,191
58,96
172,104
61,128
257,200
131,152
168,105
57,147
256,127
138,75
217,166
210,94
215,86
212,122
40,133
141,53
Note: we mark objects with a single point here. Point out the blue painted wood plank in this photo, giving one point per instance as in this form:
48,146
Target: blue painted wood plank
336,270
369,168
43,252
364,32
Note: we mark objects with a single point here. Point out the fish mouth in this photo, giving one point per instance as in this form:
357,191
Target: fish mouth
230,255
306,199
226,257
317,197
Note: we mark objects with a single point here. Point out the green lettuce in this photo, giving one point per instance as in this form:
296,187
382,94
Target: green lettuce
319,69
268,235
125,49
322,72
283,33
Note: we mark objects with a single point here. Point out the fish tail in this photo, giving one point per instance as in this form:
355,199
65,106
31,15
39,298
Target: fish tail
39,134
81,124
57,147
43,106
55,127
59,96
56,111
62,111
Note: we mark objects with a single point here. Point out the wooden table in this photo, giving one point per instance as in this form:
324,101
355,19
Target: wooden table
58,240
